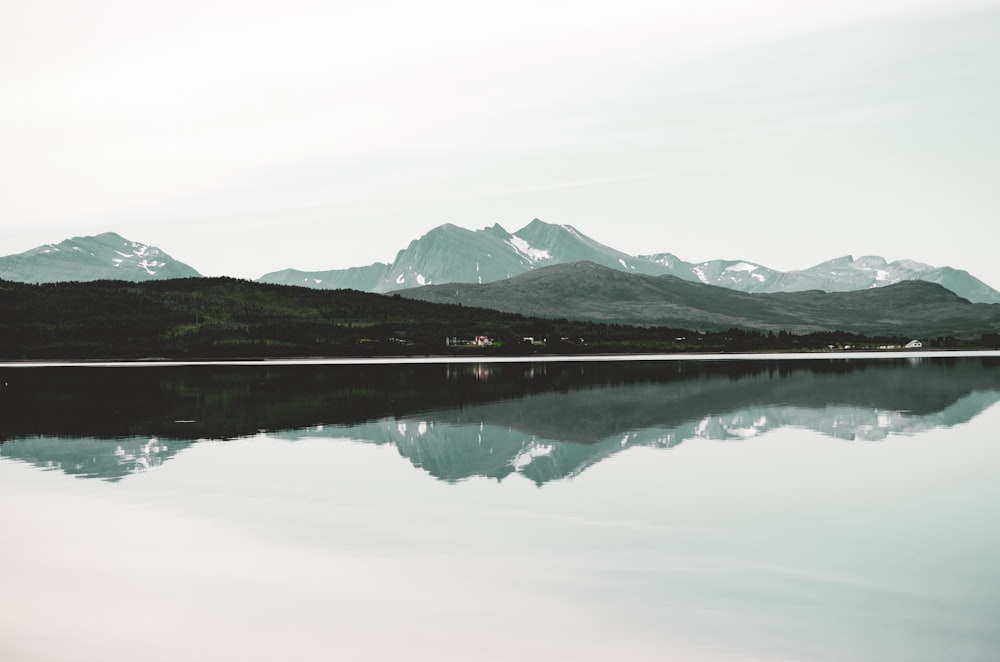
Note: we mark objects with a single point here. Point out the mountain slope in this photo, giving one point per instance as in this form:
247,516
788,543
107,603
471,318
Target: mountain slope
734,274
450,253
565,244
365,279
842,274
106,256
587,291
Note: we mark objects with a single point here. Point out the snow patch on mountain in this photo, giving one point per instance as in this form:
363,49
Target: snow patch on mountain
525,249
151,266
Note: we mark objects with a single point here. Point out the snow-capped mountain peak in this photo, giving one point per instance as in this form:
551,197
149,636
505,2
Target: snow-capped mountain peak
104,256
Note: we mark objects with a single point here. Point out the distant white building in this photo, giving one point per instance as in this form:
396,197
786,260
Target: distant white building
913,344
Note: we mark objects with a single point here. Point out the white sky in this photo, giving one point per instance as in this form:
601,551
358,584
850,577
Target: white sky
245,137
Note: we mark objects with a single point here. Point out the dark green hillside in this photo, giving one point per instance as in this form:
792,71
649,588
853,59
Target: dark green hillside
223,317
587,291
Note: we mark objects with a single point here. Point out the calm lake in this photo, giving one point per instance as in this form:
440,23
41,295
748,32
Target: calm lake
650,510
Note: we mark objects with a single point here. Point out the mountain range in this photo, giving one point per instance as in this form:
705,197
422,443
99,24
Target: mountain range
451,254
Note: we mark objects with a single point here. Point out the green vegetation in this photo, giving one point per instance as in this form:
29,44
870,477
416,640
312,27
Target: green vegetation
229,318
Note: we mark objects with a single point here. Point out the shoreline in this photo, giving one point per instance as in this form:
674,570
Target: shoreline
591,358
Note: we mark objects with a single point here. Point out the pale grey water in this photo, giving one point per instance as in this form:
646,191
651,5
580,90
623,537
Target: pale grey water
780,512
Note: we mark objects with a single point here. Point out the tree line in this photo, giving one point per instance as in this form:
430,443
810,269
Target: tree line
228,318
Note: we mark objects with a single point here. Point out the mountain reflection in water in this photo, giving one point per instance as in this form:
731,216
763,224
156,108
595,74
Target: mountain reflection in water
545,421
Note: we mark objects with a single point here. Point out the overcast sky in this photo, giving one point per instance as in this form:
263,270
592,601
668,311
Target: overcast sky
245,137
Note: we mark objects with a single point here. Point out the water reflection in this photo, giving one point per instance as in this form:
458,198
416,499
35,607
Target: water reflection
545,421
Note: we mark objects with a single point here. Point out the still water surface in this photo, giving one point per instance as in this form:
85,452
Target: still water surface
757,510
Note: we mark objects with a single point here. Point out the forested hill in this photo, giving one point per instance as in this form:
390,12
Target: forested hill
227,318
230,318
221,317
589,291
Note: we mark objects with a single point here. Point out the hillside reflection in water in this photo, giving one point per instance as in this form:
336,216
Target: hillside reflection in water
546,421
